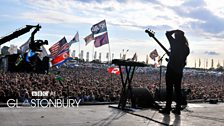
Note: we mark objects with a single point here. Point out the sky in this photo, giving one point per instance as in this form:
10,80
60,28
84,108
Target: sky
201,20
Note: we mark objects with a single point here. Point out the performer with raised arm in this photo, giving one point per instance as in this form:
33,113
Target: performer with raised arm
177,61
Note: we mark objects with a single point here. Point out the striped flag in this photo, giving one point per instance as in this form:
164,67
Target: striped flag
58,47
89,38
61,58
101,40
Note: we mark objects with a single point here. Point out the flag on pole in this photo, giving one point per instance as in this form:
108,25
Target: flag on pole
113,70
99,27
153,54
135,57
43,52
101,40
24,47
58,47
89,38
75,39
60,59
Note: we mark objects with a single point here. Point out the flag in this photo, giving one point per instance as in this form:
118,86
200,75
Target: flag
60,59
75,39
43,52
25,46
135,57
59,47
113,70
101,40
99,27
154,54
89,38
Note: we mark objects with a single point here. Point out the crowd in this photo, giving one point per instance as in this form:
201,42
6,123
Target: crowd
95,84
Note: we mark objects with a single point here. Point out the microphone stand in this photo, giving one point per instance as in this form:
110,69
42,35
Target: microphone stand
160,76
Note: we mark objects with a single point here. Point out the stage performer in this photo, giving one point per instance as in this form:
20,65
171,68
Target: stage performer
176,63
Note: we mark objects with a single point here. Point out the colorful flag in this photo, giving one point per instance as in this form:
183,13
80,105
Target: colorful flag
89,38
60,59
99,27
58,47
154,54
113,70
75,39
101,40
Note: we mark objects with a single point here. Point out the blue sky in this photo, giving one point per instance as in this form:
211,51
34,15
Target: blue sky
202,21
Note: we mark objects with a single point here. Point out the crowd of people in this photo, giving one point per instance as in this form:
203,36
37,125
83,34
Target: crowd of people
95,84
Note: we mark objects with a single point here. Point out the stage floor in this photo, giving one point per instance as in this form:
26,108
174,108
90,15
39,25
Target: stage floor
202,114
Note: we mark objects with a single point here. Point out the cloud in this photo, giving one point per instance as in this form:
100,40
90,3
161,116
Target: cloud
211,53
203,19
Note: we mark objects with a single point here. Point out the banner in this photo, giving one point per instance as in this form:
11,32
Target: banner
113,70
60,59
59,47
25,46
75,39
99,27
153,54
101,40
89,38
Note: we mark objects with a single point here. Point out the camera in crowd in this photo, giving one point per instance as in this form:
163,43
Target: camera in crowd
35,46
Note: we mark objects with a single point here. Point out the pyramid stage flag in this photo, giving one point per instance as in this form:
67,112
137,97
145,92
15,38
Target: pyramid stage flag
99,27
101,40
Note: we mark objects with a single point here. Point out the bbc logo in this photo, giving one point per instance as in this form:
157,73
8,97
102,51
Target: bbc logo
40,93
